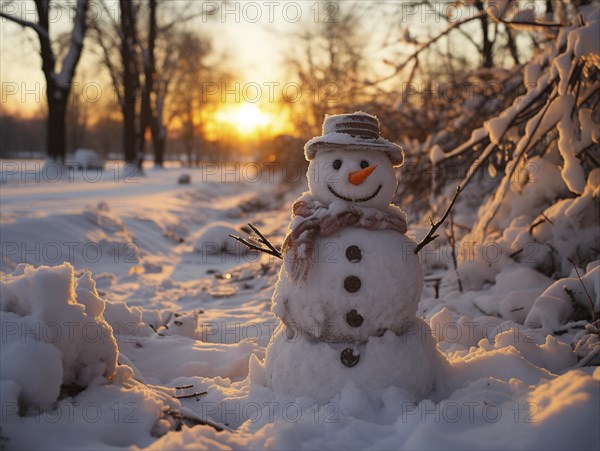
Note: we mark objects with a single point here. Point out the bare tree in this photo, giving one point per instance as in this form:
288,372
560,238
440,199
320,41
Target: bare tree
58,83
139,53
160,65
118,42
329,62
187,100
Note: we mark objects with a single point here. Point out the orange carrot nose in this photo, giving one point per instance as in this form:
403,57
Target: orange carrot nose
356,178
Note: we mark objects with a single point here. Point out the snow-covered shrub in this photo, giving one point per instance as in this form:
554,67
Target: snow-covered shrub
564,232
53,334
561,124
534,164
544,210
563,298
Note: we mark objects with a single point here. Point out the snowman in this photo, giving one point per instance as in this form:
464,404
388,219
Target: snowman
350,283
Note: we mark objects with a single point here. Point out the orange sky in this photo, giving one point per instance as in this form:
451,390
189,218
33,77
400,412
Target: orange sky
253,35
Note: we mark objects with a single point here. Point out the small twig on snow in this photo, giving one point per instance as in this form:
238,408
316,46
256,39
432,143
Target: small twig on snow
193,395
515,253
436,285
190,421
483,311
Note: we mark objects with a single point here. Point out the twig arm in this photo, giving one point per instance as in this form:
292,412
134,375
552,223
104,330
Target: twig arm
264,240
269,249
434,226
253,246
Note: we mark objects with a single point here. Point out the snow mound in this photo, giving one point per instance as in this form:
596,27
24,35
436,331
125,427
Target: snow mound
214,239
86,159
54,333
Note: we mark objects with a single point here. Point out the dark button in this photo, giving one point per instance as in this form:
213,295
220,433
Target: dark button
353,254
352,284
354,319
348,357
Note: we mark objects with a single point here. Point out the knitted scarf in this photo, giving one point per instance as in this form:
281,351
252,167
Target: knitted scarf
311,219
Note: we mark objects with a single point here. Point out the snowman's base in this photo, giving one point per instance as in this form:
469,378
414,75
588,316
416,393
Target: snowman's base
302,367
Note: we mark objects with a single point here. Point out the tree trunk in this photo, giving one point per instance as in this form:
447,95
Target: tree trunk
129,132
159,150
512,46
58,85
56,125
149,119
131,83
486,51
549,11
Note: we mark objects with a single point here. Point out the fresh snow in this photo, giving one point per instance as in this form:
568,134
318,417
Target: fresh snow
153,314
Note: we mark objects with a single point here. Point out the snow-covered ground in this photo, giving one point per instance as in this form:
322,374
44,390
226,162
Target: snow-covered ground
93,360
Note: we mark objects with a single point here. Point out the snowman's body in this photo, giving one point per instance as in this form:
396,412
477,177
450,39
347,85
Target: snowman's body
348,306
361,283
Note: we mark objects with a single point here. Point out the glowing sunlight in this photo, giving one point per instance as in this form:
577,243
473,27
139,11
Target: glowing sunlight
246,119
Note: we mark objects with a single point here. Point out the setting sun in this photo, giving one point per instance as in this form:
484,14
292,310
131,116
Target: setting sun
245,119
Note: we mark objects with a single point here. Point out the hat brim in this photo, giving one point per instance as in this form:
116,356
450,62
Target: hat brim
328,143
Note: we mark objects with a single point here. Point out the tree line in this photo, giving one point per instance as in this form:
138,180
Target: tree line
151,57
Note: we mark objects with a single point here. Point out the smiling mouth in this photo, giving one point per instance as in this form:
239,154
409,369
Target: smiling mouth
348,199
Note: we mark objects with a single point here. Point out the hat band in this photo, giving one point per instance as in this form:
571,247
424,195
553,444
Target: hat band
362,132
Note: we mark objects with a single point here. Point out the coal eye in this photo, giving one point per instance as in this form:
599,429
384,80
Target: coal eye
337,164
364,164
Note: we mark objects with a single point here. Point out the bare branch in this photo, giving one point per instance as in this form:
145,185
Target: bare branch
41,32
524,23
106,58
429,43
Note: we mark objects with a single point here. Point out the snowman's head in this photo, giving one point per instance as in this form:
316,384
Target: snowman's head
364,177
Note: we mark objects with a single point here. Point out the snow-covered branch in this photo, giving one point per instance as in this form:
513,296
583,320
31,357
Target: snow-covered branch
72,58
41,32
